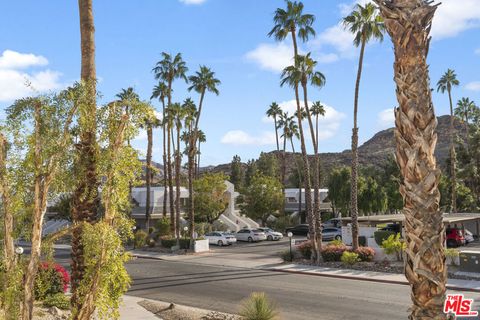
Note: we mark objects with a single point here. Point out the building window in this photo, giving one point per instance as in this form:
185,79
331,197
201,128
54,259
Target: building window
291,199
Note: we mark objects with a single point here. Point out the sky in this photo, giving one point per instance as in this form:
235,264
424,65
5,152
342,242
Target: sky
40,45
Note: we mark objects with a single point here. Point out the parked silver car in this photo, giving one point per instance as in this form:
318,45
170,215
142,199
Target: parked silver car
220,239
329,234
250,235
271,234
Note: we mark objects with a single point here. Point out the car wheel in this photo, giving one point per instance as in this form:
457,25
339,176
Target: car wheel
250,239
220,243
451,243
338,237
270,238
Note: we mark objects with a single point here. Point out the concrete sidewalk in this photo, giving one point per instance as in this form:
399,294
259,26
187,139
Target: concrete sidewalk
131,310
452,284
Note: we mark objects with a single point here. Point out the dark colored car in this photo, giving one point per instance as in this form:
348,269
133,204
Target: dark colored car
394,227
298,230
455,237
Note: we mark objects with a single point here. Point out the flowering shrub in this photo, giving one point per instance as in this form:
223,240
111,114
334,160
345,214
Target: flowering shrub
349,258
365,253
333,252
51,278
305,249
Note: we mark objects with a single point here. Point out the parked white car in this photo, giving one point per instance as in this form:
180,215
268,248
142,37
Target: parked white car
468,236
271,234
250,235
220,239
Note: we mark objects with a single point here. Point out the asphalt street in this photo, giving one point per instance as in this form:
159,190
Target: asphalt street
298,297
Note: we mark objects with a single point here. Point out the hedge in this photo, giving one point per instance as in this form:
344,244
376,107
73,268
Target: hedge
382,235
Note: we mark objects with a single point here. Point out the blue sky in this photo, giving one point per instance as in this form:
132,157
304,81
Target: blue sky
40,43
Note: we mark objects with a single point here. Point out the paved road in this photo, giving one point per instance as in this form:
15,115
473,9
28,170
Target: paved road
298,297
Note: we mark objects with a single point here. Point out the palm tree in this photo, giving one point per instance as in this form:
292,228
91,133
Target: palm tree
290,76
84,208
160,91
202,138
292,131
178,114
202,81
446,82
365,23
273,112
151,122
283,122
167,70
465,110
168,122
316,110
292,21
408,22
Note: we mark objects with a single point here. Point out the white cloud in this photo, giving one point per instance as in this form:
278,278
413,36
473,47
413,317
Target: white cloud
242,138
386,118
16,60
272,57
454,16
15,84
477,51
192,1
347,8
327,125
473,86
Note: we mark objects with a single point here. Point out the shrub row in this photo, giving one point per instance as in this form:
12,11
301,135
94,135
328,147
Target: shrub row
334,252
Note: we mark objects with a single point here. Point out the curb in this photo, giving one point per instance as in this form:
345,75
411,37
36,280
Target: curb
450,287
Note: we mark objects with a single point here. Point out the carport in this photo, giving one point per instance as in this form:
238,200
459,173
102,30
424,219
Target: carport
459,220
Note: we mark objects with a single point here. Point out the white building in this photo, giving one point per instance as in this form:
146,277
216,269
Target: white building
295,199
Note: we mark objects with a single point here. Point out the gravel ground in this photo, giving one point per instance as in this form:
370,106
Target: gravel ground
168,311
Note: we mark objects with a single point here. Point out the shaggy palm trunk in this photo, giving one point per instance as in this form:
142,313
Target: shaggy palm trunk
148,173
85,197
408,22
453,160
354,171
165,165
177,183
173,225
8,241
306,165
284,169
191,168
316,179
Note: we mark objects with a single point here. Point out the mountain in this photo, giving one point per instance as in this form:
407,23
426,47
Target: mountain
373,152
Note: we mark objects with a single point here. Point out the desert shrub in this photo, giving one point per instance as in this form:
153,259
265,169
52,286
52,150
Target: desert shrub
394,245
305,249
286,256
140,238
163,226
365,253
219,226
151,230
51,279
58,300
333,252
335,243
281,223
452,254
151,242
349,258
382,235
258,307
168,242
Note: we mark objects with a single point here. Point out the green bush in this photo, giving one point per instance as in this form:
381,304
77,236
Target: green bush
362,241
286,256
382,235
452,254
51,279
258,307
58,300
151,242
163,226
393,244
335,243
140,238
333,252
170,242
305,249
365,254
349,258
151,230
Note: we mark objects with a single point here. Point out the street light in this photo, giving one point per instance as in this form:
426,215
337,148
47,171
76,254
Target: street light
19,250
290,240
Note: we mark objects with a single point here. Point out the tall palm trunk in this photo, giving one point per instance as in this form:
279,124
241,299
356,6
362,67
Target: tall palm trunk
316,179
197,167
354,172
306,168
177,183
453,160
302,218
148,173
276,131
85,197
408,22
173,225
165,164
191,168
